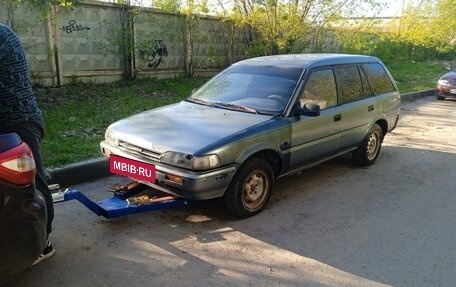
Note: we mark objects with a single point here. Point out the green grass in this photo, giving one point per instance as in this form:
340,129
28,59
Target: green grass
417,76
77,115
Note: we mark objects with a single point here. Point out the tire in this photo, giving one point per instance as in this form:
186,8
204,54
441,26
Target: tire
370,147
440,98
250,189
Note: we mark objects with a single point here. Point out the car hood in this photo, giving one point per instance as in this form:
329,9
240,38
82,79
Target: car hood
183,127
450,76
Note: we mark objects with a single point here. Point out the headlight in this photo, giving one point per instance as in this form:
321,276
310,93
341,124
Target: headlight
444,83
189,161
111,138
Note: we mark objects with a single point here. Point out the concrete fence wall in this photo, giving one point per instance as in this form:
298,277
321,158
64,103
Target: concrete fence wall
103,42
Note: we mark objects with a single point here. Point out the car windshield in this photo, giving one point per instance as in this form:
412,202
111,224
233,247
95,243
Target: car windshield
254,89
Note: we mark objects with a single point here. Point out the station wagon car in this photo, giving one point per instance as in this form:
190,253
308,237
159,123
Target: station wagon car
258,120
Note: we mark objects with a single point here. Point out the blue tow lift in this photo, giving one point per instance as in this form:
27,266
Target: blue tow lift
126,199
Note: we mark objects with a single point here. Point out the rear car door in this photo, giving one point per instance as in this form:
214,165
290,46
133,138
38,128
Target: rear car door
359,106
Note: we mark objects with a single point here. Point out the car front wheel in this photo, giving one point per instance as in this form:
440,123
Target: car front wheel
369,149
250,188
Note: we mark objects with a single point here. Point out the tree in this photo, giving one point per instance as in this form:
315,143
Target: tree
430,24
277,25
41,5
191,10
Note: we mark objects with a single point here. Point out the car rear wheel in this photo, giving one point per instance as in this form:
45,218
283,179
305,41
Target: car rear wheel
250,188
370,147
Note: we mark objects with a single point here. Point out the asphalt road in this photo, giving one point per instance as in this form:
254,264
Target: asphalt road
392,224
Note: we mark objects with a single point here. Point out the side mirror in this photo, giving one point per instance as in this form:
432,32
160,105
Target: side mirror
311,110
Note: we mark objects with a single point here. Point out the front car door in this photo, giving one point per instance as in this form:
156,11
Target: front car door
315,138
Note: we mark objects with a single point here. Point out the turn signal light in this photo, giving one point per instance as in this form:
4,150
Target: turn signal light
174,178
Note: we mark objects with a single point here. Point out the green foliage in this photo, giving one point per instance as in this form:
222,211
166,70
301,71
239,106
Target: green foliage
278,26
415,76
45,3
431,24
426,31
172,6
186,7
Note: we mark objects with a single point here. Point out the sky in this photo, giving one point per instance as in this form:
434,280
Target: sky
394,8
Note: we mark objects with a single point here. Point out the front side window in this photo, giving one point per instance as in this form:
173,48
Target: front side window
378,78
320,89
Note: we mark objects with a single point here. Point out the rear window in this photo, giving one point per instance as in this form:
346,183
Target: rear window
378,78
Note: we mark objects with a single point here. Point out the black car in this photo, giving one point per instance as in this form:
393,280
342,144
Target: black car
22,208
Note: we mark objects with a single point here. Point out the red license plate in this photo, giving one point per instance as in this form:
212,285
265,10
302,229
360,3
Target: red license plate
132,168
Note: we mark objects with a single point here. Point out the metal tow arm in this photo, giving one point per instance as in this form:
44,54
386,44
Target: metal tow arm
122,202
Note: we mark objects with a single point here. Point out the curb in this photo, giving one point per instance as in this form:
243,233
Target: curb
80,172
416,95
97,168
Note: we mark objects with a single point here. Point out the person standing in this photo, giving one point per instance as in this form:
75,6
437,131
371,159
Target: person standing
19,113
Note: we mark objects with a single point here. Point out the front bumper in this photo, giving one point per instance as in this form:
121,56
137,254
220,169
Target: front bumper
23,233
445,91
194,185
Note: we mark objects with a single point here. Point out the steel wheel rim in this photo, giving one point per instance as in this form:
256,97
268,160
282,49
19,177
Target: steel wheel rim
255,190
373,145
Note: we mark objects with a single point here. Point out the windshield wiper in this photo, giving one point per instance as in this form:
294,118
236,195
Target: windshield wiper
199,101
234,107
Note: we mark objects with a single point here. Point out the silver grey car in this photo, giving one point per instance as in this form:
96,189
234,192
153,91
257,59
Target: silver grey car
258,120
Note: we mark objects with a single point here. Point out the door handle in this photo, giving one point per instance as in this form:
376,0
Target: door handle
337,117
370,108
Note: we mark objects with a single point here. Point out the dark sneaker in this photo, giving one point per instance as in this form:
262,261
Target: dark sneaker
47,252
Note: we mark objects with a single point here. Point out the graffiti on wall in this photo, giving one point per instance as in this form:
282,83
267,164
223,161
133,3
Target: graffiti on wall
73,26
155,55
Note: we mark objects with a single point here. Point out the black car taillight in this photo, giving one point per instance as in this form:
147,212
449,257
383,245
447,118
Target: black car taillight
17,165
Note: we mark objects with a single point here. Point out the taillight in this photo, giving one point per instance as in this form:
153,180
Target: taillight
17,165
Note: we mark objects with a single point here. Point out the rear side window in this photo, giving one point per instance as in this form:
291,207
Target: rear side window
378,78
351,87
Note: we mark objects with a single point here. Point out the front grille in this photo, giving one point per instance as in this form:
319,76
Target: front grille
154,156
